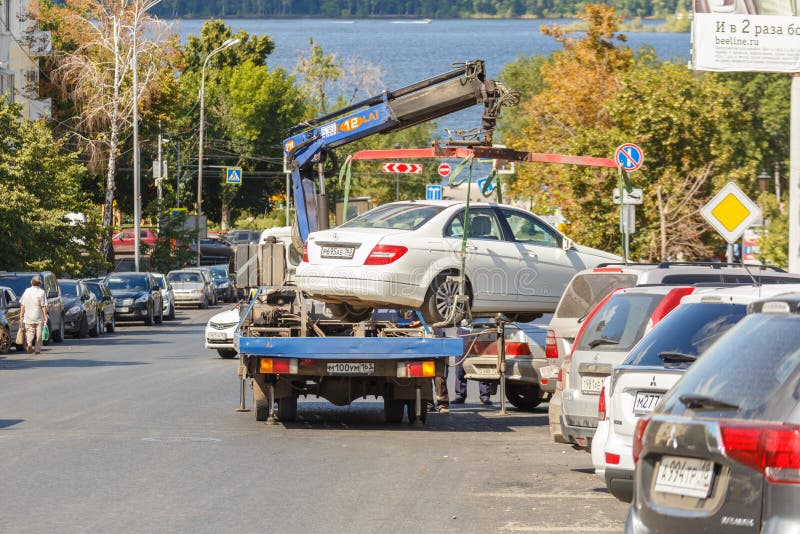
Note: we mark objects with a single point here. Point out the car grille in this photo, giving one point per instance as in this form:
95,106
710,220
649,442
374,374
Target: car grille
222,326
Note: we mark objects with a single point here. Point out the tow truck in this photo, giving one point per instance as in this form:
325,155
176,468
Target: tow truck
287,344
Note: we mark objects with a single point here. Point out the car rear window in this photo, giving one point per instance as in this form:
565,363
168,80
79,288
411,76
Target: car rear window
755,367
395,217
689,329
586,290
95,289
620,323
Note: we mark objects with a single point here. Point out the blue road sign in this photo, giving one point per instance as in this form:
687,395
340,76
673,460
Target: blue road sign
433,192
629,156
234,175
481,182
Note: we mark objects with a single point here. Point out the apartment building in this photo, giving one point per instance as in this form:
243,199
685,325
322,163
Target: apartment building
21,46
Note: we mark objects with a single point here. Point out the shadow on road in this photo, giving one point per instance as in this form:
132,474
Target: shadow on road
5,423
369,416
9,364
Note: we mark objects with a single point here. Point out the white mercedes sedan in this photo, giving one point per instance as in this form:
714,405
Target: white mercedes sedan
407,255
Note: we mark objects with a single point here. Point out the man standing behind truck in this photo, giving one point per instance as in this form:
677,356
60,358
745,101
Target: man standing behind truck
33,314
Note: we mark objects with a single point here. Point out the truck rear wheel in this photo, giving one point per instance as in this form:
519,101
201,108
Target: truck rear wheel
260,400
524,396
287,408
392,408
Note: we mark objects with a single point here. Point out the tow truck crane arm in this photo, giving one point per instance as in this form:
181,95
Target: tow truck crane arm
309,142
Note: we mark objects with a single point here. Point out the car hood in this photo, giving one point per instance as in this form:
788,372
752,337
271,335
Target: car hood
129,294
228,316
602,254
70,302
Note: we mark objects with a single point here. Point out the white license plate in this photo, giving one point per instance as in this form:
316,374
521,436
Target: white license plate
685,476
351,368
337,252
123,309
485,371
592,384
645,402
217,336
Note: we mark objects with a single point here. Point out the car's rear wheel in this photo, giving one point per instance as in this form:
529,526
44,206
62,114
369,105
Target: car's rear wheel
57,335
98,327
110,327
440,300
348,314
171,314
160,317
524,396
227,353
5,340
203,304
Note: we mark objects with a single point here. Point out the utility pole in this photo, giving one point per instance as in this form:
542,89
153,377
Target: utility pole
178,178
161,174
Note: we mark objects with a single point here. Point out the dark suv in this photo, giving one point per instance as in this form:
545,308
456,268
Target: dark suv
19,282
722,450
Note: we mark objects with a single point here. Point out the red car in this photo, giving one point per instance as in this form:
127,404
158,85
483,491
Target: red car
124,240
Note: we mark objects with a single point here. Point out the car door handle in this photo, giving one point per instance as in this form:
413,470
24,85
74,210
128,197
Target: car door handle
471,247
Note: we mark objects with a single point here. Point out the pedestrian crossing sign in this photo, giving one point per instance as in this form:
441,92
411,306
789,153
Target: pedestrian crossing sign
234,175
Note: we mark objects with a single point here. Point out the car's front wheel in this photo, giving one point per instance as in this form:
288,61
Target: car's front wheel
5,340
524,396
57,335
348,314
442,298
149,319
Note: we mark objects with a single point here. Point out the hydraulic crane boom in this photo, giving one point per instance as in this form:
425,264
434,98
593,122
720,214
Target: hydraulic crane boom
309,142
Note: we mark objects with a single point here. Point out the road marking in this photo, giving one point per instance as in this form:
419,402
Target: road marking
546,495
514,527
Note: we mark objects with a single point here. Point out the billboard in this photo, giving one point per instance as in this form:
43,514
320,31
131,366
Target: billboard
746,35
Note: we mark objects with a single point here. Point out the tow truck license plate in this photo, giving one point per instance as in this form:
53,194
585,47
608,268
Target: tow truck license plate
351,368
337,252
685,476
645,402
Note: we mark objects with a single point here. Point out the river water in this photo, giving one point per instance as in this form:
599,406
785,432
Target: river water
408,52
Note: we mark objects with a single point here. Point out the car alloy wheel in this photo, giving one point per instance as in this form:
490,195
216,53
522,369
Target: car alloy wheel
441,298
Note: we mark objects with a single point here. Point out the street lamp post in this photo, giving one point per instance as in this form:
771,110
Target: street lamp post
227,44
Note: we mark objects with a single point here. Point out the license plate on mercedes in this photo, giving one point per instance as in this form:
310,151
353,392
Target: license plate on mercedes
351,368
337,252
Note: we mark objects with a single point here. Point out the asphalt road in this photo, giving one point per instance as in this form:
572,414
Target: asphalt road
137,431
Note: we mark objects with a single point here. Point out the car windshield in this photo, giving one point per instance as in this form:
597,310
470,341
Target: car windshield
127,283
620,323
95,289
745,372
689,329
219,271
69,289
161,281
586,290
395,217
185,277
19,283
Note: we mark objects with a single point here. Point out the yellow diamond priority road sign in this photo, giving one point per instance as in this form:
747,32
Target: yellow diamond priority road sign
731,212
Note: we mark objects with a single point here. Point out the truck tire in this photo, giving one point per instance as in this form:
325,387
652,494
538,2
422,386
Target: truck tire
524,396
260,401
411,406
287,408
392,408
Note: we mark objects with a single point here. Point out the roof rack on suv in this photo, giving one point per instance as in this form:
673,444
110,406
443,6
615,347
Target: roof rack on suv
623,264
717,265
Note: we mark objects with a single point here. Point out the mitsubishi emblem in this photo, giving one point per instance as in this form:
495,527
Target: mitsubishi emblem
653,381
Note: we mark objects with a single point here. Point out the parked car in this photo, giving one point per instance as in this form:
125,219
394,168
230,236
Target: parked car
225,287
20,281
588,287
81,317
9,319
721,452
167,294
237,236
208,276
524,352
603,343
214,250
404,255
219,332
106,304
190,288
138,297
124,241
654,365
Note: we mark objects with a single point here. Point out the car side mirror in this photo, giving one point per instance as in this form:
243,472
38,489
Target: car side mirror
567,244
84,298
13,305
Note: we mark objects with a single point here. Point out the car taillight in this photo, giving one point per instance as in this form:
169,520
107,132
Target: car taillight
772,449
612,458
560,380
385,254
550,346
305,252
638,434
667,304
424,369
607,270
517,348
276,366
601,405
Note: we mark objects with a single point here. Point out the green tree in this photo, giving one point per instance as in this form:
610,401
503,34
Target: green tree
318,71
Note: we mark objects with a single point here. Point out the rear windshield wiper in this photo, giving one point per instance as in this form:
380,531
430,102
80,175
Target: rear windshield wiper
676,357
603,341
702,402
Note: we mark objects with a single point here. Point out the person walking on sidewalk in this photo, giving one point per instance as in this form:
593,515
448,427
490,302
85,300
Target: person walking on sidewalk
33,314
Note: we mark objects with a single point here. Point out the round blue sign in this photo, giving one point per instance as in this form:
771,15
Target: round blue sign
629,156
